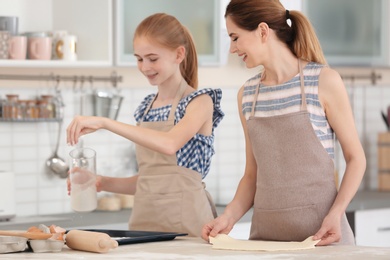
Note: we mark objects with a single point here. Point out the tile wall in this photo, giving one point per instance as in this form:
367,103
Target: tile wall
24,147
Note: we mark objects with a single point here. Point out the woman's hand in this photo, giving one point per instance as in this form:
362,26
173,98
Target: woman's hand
222,224
330,231
82,125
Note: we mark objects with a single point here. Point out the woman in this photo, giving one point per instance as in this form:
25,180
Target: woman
174,135
290,113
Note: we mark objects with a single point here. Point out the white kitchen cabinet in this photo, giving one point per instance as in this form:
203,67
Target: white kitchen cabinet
89,20
201,17
351,32
372,227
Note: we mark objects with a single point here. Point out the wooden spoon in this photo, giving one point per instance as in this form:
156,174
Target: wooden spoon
29,235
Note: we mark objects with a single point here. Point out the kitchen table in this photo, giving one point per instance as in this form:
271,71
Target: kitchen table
195,248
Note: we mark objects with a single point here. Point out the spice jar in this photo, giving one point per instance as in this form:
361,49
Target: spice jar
32,110
21,109
43,109
50,105
11,106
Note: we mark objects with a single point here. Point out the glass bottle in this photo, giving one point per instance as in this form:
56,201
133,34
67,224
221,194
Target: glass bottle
32,111
50,105
11,106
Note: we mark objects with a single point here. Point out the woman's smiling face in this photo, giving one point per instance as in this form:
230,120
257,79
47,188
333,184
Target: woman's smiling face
247,44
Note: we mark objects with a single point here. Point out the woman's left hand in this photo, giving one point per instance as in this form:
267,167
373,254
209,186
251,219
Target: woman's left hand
330,231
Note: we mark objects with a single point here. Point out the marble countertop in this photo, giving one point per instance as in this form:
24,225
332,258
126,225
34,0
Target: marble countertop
195,248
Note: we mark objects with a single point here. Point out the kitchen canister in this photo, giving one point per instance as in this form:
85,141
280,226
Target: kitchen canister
107,104
65,48
17,48
384,161
10,24
4,44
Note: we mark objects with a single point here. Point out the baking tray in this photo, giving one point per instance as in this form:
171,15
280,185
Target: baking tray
124,237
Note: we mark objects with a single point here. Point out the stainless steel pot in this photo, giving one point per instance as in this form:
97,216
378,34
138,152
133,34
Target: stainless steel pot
107,104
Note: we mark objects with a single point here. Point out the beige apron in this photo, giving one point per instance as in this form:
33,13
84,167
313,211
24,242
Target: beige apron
295,183
168,198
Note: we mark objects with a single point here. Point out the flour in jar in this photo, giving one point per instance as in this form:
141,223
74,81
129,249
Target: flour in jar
83,199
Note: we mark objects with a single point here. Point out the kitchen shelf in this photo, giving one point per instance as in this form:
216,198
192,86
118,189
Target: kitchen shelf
33,120
53,63
90,20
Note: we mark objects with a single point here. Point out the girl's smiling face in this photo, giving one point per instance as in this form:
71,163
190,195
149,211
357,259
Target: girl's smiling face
156,62
247,44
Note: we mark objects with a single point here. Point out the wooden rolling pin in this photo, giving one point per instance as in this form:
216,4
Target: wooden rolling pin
90,241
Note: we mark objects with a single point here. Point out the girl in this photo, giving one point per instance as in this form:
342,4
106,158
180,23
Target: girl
174,135
290,113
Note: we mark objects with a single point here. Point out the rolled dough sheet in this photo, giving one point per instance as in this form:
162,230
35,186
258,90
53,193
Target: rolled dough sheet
223,241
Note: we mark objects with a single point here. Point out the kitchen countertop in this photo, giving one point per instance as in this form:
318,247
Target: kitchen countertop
364,200
96,219
196,248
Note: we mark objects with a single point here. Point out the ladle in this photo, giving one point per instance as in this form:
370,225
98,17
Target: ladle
29,235
55,163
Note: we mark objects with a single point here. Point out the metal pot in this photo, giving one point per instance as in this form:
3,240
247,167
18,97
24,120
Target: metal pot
107,104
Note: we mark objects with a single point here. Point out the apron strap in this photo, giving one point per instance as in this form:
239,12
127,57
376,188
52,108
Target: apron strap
303,95
179,94
255,96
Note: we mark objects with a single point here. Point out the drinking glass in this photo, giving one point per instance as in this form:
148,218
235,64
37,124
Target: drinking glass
83,179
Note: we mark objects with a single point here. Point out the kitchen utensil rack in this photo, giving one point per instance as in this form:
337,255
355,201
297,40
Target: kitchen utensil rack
113,79
374,77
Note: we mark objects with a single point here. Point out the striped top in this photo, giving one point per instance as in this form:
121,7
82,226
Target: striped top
286,98
197,152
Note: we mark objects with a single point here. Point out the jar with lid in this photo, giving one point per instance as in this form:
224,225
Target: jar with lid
11,106
50,106
21,109
32,111
43,109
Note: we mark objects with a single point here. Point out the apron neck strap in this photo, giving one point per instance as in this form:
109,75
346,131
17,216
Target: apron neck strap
303,105
179,95
303,95
182,87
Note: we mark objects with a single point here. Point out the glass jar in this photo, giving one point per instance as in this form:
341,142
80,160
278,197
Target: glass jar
21,109
50,105
11,106
32,111
43,109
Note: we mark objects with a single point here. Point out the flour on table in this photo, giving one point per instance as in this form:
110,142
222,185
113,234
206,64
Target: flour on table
222,241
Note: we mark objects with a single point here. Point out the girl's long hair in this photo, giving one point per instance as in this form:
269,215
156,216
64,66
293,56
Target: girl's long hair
167,31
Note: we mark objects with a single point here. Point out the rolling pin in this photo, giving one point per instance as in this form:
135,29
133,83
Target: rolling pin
90,241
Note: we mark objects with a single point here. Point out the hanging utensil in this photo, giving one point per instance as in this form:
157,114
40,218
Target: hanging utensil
56,164
386,120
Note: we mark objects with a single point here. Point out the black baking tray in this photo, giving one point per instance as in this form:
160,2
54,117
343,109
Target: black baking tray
124,237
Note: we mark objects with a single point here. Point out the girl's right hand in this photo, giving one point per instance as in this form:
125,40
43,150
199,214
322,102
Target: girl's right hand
222,224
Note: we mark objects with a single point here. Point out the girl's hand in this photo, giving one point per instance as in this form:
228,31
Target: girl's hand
222,224
330,231
82,125
99,179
